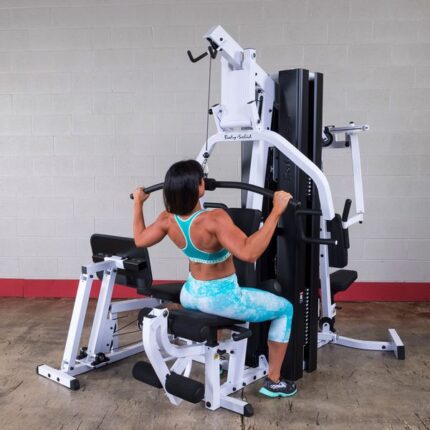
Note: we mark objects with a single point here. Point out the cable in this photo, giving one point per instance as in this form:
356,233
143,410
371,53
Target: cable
122,328
206,154
128,332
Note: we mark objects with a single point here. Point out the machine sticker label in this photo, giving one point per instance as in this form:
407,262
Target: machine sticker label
237,136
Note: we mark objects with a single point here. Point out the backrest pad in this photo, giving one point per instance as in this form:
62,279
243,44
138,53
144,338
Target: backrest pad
124,247
248,220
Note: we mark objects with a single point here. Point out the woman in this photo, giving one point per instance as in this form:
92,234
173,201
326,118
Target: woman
209,239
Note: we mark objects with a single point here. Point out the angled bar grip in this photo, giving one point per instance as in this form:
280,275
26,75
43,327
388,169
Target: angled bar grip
195,59
242,333
302,212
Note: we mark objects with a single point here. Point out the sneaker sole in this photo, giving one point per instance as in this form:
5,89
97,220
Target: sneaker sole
274,394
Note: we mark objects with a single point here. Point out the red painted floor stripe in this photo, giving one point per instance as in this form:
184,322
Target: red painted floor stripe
359,291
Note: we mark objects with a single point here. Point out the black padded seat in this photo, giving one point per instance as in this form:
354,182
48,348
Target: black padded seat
197,326
341,280
169,291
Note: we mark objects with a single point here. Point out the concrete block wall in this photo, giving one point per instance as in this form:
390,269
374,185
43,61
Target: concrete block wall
99,97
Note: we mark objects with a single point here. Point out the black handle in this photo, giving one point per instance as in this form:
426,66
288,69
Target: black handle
212,184
242,333
151,189
195,59
215,205
346,209
244,186
317,241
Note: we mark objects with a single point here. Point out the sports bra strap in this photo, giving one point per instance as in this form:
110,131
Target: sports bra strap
191,251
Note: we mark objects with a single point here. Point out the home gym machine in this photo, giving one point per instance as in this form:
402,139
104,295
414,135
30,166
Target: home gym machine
278,123
277,120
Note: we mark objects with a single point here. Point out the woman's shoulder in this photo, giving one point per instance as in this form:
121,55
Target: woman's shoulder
216,215
164,219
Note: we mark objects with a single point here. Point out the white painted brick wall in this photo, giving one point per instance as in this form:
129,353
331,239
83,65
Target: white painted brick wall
99,97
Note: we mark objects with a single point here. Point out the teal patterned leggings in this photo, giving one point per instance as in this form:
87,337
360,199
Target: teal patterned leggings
224,297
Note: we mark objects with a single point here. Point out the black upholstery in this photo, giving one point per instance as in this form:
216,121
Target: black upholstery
272,286
338,254
143,371
103,244
248,220
170,291
197,326
338,257
341,281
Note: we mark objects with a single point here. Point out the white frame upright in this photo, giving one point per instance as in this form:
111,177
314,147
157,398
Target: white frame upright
102,337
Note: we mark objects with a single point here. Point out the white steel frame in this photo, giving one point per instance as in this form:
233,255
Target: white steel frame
160,350
350,141
237,120
102,336
327,335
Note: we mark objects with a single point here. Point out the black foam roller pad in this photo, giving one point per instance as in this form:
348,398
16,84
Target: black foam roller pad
144,372
185,388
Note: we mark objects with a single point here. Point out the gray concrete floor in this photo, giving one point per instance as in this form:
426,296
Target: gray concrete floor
350,390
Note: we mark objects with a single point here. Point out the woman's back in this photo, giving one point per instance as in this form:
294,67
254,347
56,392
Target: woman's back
197,230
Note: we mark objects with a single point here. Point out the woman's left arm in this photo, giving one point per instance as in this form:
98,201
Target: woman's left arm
146,236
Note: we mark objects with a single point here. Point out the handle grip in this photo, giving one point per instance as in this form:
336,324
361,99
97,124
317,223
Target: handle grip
198,58
346,209
212,184
317,241
151,189
242,333
215,205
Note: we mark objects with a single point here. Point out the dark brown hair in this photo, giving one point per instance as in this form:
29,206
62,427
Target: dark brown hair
181,187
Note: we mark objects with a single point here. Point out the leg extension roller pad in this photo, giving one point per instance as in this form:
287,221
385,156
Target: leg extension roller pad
144,372
185,388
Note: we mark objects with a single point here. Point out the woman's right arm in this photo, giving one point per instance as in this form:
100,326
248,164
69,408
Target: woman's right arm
146,236
250,248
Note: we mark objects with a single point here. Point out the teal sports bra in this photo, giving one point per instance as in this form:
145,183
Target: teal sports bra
191,251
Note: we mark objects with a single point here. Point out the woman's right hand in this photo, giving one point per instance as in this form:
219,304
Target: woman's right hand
280,202
139,196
